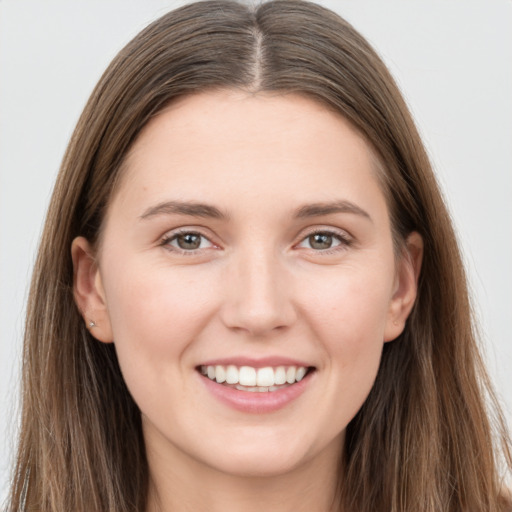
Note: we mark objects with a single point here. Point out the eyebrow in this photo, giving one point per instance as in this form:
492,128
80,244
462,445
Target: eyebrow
195,209
328,208
190,208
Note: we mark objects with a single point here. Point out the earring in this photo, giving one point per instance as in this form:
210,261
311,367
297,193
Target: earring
91,325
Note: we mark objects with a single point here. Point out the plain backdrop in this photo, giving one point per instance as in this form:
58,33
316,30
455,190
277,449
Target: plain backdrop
451,58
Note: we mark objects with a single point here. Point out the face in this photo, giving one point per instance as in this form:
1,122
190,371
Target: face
247,277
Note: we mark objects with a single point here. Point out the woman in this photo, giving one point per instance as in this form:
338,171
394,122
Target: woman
248,292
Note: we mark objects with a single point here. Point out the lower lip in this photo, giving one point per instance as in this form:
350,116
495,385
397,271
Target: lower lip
255,402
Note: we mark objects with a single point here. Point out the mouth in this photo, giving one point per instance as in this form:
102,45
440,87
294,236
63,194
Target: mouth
268,379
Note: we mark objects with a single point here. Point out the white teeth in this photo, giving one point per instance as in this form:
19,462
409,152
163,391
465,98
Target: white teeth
247,378
253,389
265,377
290,374
232,374
300,373
220,374
279,375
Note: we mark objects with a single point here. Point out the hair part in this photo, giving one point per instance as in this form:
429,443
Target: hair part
423,440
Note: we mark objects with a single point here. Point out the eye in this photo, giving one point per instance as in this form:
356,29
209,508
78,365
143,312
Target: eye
187,241
324,240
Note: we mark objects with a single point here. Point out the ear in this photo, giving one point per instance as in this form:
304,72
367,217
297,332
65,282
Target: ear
406,286
88,290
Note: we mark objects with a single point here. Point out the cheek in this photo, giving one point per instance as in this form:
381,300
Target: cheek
156,314
353,301
149,304
349,313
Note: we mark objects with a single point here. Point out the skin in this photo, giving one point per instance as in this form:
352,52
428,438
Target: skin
257,286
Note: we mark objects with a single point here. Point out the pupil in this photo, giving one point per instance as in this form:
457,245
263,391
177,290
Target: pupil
320,241
189,241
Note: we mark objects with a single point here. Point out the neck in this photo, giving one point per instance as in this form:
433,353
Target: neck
180,483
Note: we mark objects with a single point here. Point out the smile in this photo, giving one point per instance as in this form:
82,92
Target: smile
259,380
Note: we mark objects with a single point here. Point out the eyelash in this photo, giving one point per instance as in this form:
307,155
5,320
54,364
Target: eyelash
167,239
343,238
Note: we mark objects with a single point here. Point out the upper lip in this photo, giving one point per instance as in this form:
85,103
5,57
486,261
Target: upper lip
263,362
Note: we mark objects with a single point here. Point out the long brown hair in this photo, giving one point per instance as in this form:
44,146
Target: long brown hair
424,440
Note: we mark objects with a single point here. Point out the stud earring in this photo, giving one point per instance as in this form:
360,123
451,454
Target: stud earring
91,325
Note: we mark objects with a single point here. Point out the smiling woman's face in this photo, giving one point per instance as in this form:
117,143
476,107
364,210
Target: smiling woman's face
249,240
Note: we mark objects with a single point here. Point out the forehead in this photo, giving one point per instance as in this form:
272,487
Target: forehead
281,146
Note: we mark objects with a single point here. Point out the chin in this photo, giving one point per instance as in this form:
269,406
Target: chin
257,465
266,457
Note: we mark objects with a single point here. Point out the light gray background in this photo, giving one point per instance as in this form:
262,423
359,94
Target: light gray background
452,59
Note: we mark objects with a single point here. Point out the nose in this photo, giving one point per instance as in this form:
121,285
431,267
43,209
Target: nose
259,295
